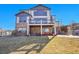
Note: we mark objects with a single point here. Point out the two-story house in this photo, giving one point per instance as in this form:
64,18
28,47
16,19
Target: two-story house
35,21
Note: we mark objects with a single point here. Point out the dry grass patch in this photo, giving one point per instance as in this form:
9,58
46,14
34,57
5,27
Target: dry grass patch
62,45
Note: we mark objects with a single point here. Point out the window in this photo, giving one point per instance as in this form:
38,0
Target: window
23,30
45,30
22,17
40,13
44,20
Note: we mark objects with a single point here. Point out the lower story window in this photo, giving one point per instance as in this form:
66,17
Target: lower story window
45,30
23,30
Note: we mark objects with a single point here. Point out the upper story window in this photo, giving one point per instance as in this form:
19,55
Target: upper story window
22,17
40,13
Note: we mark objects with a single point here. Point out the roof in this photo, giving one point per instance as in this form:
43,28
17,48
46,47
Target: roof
2,30
23,12
40,6
75,24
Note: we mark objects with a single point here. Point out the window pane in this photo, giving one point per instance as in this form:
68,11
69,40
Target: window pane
40,13
22,18
23,30
45,30
44,20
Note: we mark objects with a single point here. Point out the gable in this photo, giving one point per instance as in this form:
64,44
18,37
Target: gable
23,13
40,7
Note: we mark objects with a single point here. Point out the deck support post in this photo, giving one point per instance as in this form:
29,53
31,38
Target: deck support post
41,29
28,30
28,26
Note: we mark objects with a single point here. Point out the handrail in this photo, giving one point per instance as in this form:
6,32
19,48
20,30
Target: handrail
40,22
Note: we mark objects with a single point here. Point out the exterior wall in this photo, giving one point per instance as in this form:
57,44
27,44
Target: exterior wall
21,25
21,34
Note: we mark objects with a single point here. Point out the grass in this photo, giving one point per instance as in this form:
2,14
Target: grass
62,45
57,45
9,44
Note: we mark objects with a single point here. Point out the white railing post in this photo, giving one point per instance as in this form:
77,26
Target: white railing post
41,29
48,22
41,22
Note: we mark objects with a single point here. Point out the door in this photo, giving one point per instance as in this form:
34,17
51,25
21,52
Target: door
35,30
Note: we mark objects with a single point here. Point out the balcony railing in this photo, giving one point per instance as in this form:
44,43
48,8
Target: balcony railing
40,22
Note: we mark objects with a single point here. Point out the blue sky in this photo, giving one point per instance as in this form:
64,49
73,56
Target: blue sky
64,12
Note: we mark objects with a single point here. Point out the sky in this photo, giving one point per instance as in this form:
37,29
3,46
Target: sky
66,13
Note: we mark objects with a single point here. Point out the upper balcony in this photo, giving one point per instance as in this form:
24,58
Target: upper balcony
41,22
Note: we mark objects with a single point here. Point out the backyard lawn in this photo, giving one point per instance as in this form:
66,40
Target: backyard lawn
26,43
62,45
39,45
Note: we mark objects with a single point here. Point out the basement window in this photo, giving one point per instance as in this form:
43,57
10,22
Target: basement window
23,30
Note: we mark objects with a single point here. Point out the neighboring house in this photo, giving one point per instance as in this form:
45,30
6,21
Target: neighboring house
8,32
5,32
72,29
2,32
35,21
63,30
75,28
